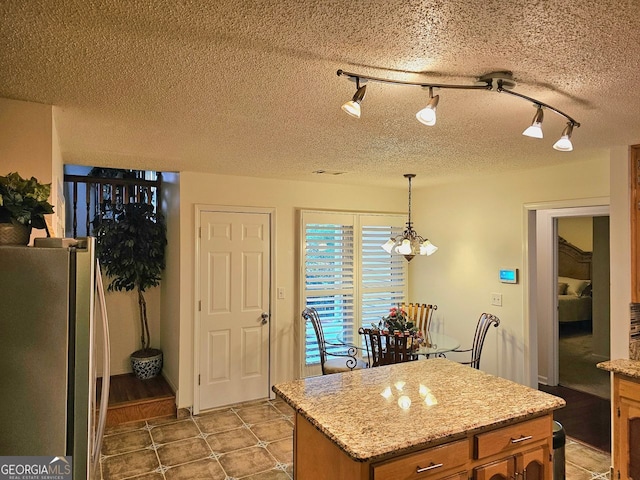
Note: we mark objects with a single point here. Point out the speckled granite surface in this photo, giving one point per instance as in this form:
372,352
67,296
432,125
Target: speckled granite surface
376,411
630,368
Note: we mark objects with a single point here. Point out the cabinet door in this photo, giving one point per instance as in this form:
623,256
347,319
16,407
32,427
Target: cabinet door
504,469
535,464
629,434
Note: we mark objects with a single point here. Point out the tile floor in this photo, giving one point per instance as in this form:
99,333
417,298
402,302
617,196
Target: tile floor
250,441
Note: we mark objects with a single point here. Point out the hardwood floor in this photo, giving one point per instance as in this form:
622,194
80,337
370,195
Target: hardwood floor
132,399
586,418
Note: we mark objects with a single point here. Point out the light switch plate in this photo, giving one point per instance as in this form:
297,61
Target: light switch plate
496,299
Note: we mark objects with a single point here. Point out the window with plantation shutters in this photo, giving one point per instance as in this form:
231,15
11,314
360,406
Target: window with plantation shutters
383,276
346,276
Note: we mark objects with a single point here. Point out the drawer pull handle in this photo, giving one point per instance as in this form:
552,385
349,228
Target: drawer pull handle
521,439
430,467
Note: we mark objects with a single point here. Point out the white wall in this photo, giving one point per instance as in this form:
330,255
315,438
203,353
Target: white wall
479,226
285,197
620,242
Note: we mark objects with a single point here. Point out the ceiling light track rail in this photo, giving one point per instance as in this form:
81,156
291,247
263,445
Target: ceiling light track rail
501,89
502,82
358,77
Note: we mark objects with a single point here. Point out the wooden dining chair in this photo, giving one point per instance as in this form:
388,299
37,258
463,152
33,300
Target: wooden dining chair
386,348
420,314
334,357
484,322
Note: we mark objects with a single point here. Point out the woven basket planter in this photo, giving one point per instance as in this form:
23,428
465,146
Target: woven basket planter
11,234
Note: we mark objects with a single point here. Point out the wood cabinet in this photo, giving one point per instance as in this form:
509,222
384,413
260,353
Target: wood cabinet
626,405
635,223
522,448
530,465
516,445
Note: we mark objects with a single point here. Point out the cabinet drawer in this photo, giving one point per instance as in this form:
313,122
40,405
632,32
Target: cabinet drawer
512,437
432,461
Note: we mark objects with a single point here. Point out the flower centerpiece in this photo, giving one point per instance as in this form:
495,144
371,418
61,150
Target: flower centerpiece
399,323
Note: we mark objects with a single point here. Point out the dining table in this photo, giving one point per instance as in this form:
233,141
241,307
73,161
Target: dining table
437,345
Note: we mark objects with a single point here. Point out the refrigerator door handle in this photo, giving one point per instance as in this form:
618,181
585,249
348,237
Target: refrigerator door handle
106,369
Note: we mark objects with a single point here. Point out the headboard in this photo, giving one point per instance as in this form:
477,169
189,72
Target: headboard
572,261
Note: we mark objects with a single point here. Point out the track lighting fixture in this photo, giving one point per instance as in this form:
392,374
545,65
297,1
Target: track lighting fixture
535,130
501,82
352,107
564,143
409,243
427,115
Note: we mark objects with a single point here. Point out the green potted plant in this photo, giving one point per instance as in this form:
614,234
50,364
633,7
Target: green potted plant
23,205
131,247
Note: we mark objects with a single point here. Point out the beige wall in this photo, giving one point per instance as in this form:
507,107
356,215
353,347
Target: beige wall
29,146
577,231
479,231
285,197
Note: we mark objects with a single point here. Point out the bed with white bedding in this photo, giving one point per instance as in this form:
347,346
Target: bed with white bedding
574,283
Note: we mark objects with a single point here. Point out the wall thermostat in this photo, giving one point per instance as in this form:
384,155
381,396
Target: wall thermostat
509,275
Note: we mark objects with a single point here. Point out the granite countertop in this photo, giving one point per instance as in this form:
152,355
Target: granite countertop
630,368
377,411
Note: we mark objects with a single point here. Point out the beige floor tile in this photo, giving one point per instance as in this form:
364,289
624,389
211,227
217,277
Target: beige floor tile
270,475
282,450
125,427
183,451
172,432
247,461
218,421
283,407
164,420
232,440
202,469
125,442
258,413
129,464
576,473
587,457
149,476
274,430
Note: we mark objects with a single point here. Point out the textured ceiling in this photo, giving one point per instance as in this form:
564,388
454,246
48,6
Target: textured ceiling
250,87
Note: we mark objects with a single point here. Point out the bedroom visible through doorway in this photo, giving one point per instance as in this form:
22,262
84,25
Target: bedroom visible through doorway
583,303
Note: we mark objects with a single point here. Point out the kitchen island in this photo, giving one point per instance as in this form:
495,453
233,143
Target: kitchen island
425,419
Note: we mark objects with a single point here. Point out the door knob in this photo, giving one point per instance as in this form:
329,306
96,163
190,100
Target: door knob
265,318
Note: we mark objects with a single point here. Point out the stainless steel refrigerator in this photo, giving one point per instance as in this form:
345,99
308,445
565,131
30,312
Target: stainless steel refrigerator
48,357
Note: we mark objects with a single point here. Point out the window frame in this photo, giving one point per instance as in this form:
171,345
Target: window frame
395,222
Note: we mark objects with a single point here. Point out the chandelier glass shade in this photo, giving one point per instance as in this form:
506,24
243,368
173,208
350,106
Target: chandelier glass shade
409,243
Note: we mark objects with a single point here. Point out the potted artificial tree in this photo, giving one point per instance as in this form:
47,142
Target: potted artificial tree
130,246
23,205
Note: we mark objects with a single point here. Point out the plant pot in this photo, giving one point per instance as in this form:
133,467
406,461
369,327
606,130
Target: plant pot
146,363
14,234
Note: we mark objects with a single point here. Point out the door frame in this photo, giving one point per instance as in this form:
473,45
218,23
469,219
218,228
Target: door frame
197,324
540,295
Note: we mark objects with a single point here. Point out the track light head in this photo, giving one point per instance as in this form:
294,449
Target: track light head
501,82
564,143
352,107
535,129
427,115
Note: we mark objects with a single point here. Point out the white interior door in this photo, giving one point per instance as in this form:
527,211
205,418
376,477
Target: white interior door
234,308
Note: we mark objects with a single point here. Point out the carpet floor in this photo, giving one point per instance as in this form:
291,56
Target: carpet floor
578,365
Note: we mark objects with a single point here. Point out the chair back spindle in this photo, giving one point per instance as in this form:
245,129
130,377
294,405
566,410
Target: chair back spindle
386,348
482,327
420,314
344,356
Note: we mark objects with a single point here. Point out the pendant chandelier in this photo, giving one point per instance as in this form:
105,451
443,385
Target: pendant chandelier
409,243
